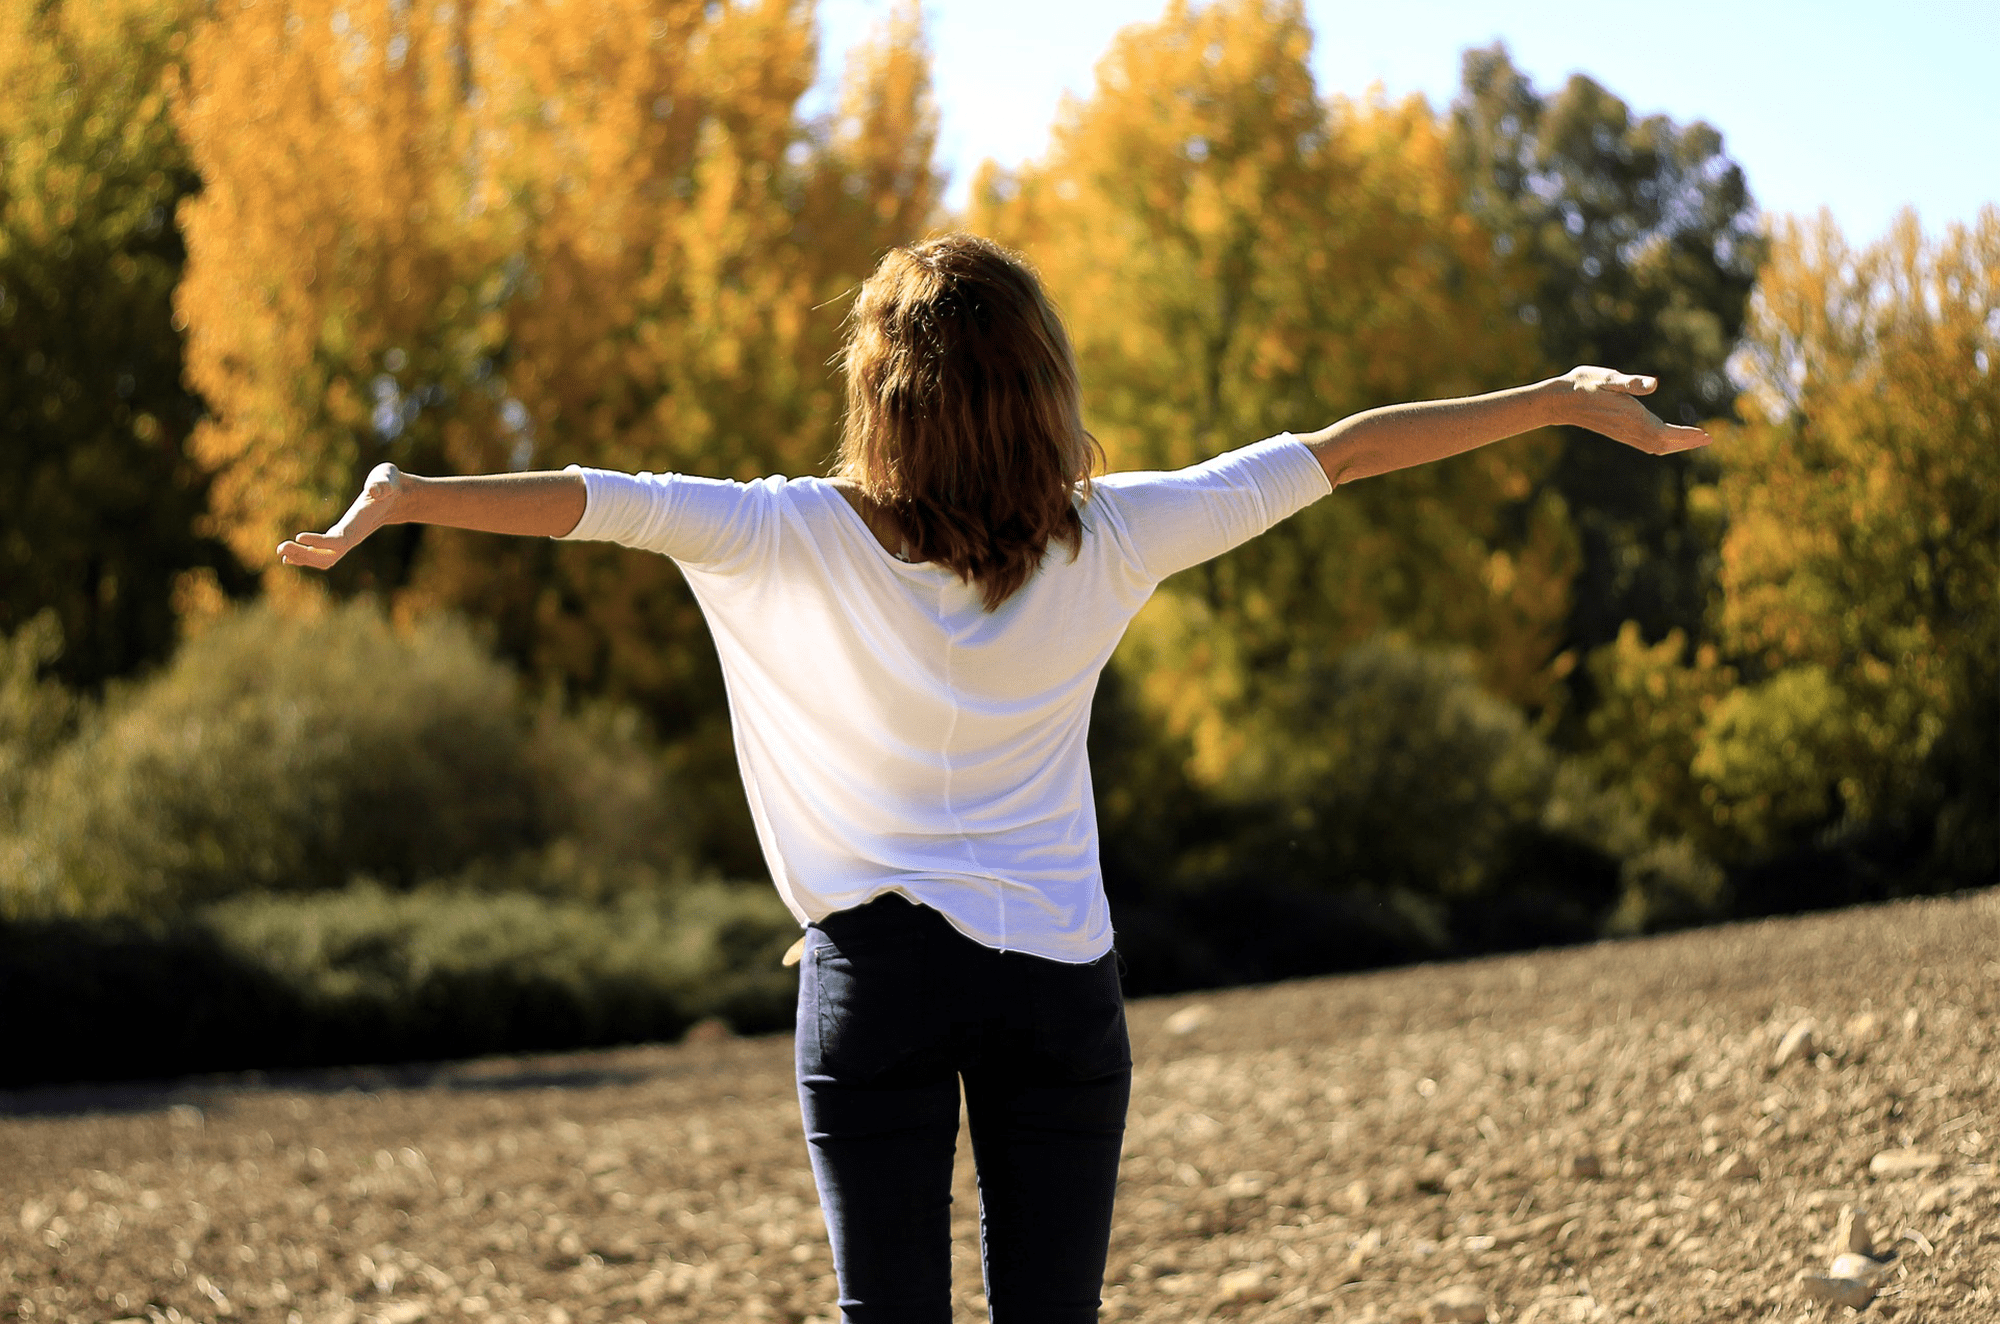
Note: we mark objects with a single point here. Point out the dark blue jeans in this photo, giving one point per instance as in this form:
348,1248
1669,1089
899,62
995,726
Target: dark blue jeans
896,1007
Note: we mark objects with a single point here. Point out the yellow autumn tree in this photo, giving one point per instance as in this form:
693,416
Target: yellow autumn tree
1861,570
1861,565
480,235
327,287
1238,256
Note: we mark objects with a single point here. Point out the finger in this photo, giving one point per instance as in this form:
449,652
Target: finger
1633,384
319,539
292,552
1686,439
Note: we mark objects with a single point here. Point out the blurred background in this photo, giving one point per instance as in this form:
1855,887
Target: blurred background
471,795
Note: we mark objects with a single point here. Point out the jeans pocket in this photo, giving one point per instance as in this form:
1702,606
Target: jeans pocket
871,1014
1081,1015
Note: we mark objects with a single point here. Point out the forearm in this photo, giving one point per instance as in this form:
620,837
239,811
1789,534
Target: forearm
531,505
546,505
1399,436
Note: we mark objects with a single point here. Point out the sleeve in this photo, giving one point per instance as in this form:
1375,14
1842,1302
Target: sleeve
706,522
1173,520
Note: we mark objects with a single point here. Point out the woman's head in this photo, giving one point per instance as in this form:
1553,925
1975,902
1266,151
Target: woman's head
964,419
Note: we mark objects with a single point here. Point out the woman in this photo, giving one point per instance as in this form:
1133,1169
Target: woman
910,650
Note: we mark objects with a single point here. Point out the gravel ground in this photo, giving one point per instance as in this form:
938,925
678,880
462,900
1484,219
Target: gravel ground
1630,1131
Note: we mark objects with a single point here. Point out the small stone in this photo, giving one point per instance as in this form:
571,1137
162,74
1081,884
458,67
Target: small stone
1189,1019
795,953
1892,1164
1912,1021
1860,1268
1864,1029
1457,1305
1582,1166
1736,1167
1946,1194
1836,1291
1852,1235
1250,1284
1356,1196
1797,1045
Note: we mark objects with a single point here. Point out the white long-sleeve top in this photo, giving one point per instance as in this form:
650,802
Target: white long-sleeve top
893,735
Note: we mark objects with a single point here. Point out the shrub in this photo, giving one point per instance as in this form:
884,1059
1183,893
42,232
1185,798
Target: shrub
1392,767
36,713
288,754
364,974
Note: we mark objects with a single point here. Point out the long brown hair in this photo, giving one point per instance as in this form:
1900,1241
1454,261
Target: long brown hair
964,419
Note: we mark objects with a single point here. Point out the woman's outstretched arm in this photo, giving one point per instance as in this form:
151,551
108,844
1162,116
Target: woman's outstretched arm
545,505
1398,436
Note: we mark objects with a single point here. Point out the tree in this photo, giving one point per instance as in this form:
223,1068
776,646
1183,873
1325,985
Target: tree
1638,242
1862,563
99,500
1238,257
488,236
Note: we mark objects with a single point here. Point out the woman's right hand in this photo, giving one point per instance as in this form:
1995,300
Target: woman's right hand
385,489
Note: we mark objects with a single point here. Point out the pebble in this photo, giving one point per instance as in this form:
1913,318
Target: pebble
1797,1044
1582,1165
1895,1163
1736,1167
1457,1305
1189,1019
1864,1029
1250,1284
1946,1194
1860,1268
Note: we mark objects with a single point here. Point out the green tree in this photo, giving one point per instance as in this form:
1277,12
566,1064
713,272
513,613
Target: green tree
99,501
1638,243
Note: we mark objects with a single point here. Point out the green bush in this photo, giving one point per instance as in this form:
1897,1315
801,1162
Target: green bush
1392,767
366,975
36,713
284,754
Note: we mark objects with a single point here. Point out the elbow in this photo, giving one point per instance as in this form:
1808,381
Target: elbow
1341,459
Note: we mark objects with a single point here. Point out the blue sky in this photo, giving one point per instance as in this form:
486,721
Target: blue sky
1861,108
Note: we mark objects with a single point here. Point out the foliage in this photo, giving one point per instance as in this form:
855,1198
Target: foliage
1646,726
99,501
36,713
1386,797
281,753
1862,564
1638,243
1852,730
1239,257
370,975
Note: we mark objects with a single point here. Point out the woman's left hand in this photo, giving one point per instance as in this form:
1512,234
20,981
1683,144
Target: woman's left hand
1604,401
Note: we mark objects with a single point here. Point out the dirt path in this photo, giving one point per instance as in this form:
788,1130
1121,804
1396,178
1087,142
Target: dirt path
1593,1134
